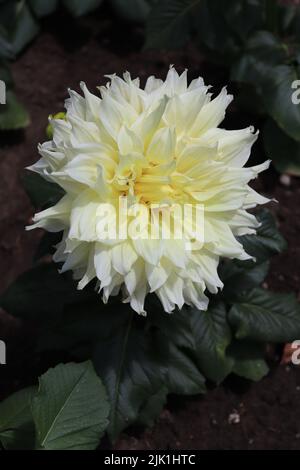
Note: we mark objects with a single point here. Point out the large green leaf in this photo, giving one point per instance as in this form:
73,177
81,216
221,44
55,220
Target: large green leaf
169,23
84,324
264,64
16,423
254,67
43,8
261,50
212,337
248,360
243,17
41,294
70,410
240,276
284,151
205,335
87,323
128,360
81,324
24,28
267,242
264,316
153,408
277,95
183,377
286,19
42,193
133,10
79,7
6,51
12,114
223,27
295,23
6,75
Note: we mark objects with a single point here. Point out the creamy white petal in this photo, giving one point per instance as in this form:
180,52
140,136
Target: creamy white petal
211,114
162,146
55,218
159,147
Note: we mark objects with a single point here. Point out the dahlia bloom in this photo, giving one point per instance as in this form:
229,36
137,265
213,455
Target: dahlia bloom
159,145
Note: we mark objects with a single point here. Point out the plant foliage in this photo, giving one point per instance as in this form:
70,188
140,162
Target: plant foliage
68,411
141,360
259,44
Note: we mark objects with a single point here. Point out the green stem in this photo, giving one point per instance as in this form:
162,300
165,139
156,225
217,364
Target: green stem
116,398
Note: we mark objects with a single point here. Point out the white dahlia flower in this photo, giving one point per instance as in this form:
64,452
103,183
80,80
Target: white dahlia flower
155,147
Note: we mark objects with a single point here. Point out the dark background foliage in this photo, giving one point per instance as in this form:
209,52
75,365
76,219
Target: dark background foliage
252,46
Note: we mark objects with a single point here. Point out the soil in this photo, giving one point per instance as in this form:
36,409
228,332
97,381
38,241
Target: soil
59,58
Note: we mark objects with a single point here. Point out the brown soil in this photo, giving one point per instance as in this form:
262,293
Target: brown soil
58,59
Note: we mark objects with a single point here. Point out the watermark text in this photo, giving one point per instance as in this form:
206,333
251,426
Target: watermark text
2,353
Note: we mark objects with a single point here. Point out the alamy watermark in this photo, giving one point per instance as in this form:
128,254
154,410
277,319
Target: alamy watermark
2,353
2,92
151,222
296,93
2,343
296,354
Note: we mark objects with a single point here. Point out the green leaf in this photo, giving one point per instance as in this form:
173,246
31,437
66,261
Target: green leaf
134,371
80,325
262,51
16,425
267,242
248,359
242,17
264,316
264,65
277,95
7,12
184,377
289,21
5,75
267,48
286,18
133,10
91,323
6,51
41,294
12,114
79,8
204,335
43,8
223,27
284,151
42,193
212,336
240,276
169,23
70,409
213,33
24,29
153,408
